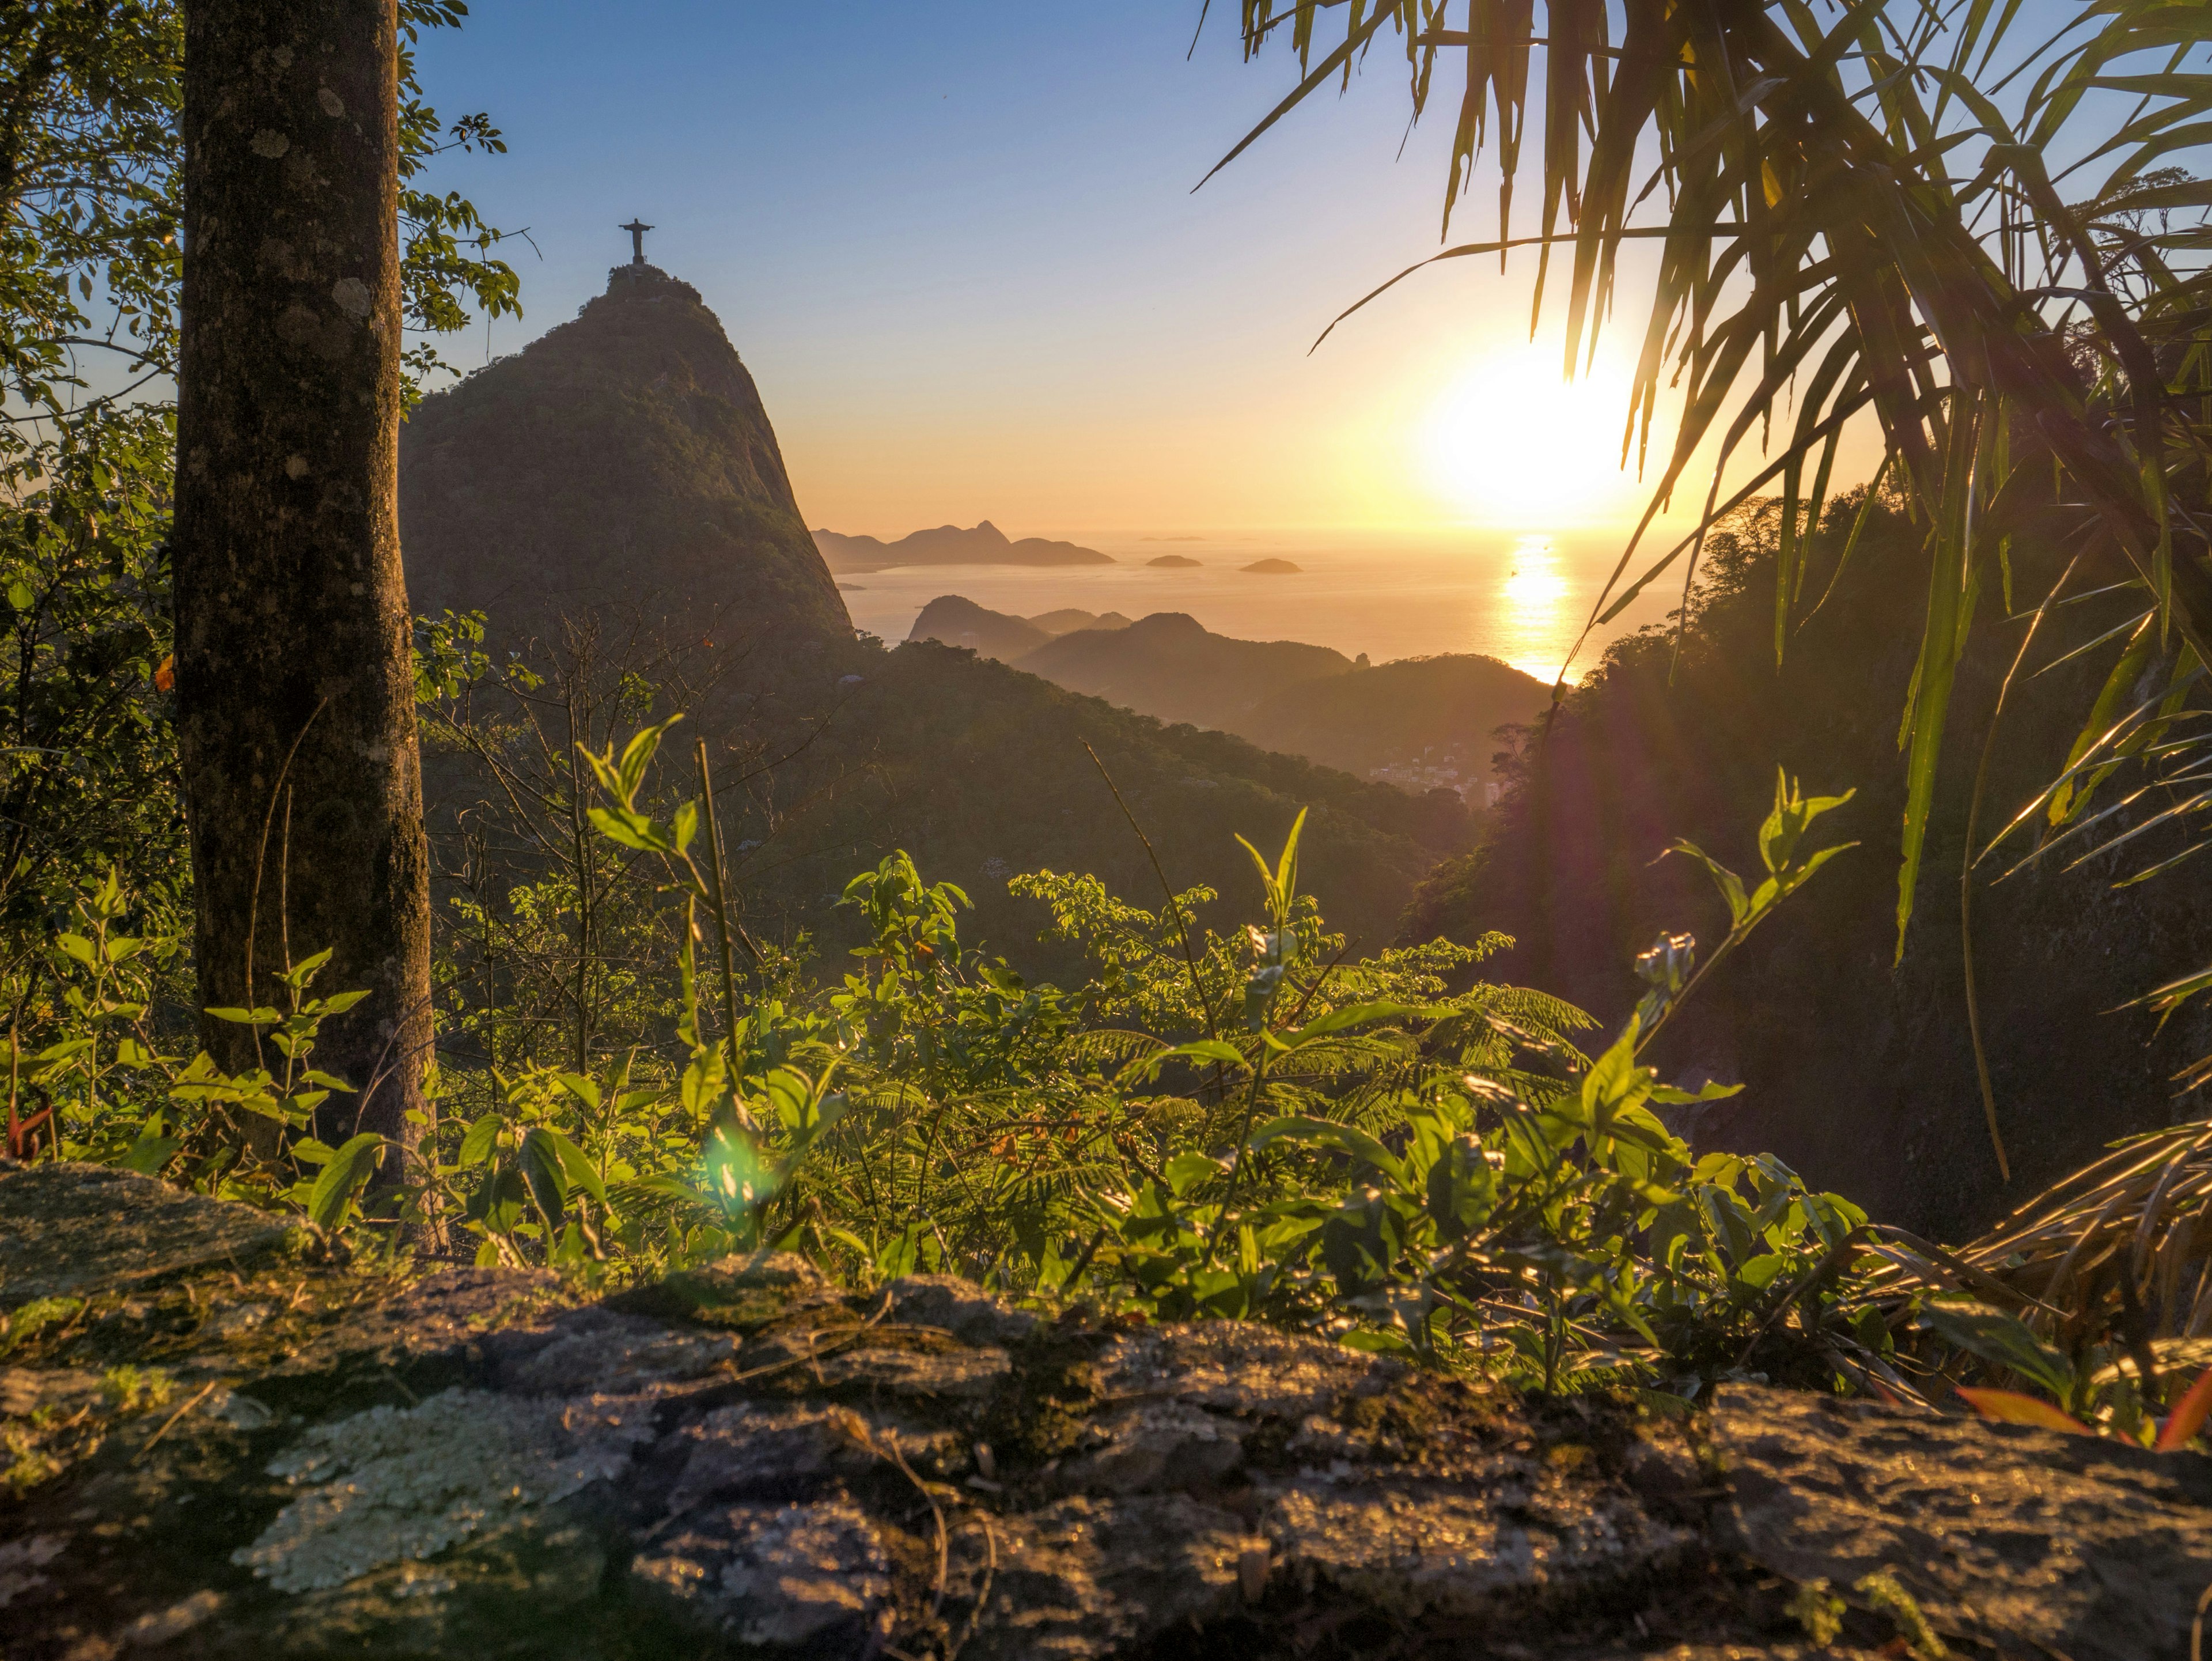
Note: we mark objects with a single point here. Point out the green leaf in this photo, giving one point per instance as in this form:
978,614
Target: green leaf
151,1150
479,1141
542,1168
1187,1170
1324,1133
20,595
579,1170
1669,1095
2002,1339
1730,884
1358,1015
1213,1050
343,1178
631,829
308,969
638,755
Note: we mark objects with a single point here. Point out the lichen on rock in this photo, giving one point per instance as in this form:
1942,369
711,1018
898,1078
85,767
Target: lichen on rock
815,1578
392,1484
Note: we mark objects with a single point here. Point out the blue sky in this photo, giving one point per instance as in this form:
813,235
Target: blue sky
956,244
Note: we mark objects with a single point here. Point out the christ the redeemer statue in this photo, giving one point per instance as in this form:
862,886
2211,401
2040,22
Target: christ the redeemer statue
637,231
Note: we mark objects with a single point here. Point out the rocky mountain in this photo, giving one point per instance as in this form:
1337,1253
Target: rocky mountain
1169,665
623,462
948,544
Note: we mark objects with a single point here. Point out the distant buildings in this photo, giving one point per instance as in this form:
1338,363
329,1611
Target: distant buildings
1432,771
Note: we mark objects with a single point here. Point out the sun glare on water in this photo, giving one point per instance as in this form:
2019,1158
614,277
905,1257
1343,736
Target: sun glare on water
1533,601
1513,445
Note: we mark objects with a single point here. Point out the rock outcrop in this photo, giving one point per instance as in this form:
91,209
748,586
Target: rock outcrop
259,1455
623,466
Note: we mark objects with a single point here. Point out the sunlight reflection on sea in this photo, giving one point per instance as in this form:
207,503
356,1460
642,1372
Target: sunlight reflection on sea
1391,594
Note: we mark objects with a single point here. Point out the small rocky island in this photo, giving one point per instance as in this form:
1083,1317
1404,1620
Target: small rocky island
220,1442
1174,561
1273,568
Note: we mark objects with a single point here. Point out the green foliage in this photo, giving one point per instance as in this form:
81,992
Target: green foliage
1245,1126
1667,968
1250,1128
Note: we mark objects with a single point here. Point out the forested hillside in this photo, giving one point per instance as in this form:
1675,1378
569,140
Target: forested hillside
1858,1070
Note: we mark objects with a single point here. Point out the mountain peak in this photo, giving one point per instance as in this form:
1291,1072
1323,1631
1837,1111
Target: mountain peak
630,281
623,458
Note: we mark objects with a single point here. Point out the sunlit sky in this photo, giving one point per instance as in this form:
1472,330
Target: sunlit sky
958,246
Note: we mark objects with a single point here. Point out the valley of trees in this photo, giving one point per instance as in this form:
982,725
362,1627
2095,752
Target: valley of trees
580,894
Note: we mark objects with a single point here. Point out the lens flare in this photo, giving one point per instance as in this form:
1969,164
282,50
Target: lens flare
1511,444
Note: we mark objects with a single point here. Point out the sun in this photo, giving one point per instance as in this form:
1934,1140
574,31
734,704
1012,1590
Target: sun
1514,445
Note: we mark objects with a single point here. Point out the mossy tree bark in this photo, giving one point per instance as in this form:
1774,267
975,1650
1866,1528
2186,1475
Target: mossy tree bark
295,684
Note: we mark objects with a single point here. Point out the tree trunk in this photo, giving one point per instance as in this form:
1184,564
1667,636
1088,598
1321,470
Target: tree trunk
294,683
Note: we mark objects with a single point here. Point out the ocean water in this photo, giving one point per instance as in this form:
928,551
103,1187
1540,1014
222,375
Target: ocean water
1521,597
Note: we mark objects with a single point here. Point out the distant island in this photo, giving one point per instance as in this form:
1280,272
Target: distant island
1175,560
948,544
1273,568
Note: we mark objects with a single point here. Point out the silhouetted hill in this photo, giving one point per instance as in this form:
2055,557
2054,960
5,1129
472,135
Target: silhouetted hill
1273,568
948,544
1068,620
624,459
959,621
1429,721
1000,635
1175,562
1168,665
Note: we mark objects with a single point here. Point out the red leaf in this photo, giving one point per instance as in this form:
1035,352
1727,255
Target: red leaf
165,678
2186,1417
